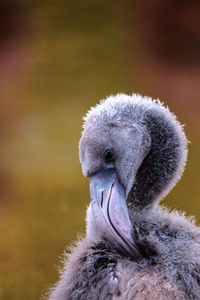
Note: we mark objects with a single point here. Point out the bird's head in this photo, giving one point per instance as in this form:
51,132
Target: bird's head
133,150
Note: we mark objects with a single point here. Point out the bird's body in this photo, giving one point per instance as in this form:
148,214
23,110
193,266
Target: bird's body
134,248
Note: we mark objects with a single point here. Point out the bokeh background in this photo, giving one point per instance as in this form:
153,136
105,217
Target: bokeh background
58,58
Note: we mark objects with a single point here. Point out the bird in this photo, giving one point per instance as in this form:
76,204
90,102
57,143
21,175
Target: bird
134,151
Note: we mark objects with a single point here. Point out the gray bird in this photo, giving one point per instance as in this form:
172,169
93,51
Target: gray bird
134,151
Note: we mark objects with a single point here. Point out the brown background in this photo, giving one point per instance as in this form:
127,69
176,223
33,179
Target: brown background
58,58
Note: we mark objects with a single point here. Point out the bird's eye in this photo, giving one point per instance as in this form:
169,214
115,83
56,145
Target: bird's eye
109,156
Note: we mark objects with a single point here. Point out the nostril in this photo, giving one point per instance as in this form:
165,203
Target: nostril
102,199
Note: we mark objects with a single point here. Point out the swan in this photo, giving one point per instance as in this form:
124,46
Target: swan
134,151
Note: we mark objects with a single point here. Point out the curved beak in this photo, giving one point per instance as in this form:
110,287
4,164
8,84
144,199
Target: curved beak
108,195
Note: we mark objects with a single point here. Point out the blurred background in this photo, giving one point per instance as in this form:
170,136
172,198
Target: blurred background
58,58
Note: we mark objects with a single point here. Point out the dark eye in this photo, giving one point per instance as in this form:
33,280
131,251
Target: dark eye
109,156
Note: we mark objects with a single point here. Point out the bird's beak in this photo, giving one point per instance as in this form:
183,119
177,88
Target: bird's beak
108,199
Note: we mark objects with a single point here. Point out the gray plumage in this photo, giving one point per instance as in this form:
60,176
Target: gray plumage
163,261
